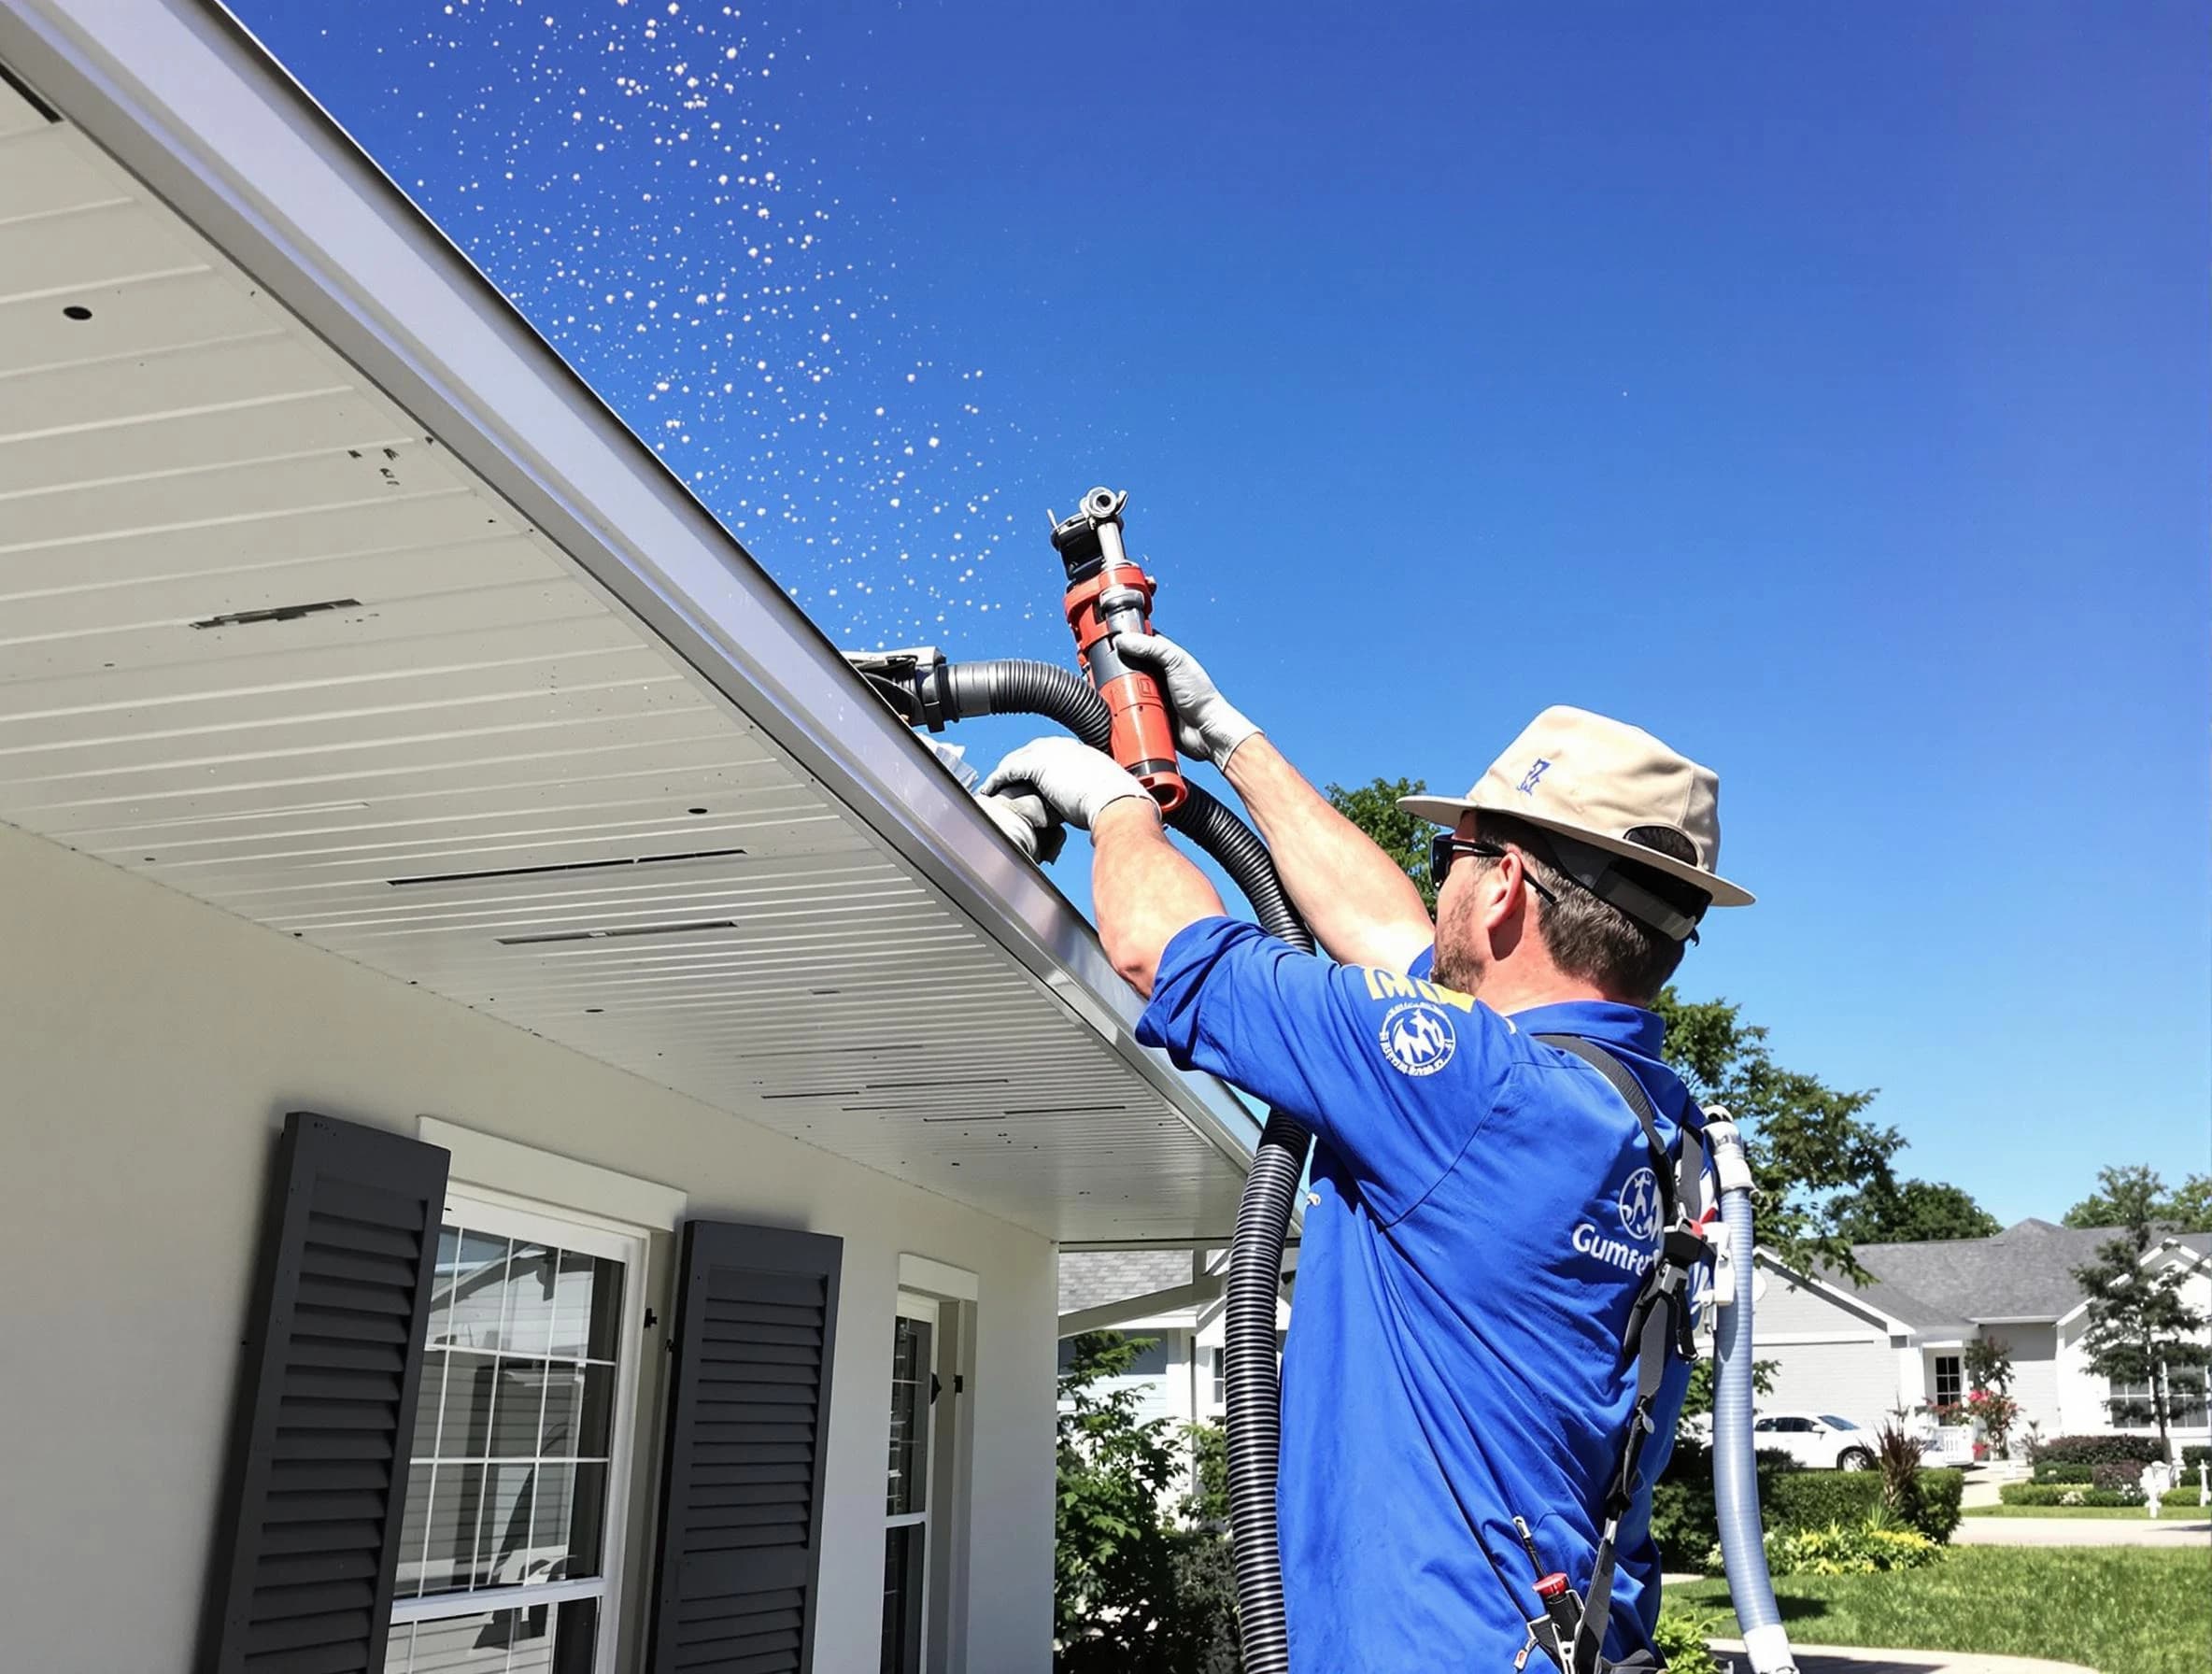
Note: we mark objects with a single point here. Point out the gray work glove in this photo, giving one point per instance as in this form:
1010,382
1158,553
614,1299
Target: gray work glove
1029,823
1075,781
1207,728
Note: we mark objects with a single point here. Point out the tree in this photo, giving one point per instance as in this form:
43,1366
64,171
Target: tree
2187,1208
1913,1212
1133,1592
1404,837
1988,1365
2141,1329
2190,1206
1807,1140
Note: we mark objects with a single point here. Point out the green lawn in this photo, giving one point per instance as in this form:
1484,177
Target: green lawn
2167,1514
2120,1610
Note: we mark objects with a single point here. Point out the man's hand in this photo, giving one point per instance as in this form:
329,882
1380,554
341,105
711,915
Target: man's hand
1029,822
1074,781
1207,728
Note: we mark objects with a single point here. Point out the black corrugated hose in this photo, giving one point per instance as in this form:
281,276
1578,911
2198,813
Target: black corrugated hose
1253,1282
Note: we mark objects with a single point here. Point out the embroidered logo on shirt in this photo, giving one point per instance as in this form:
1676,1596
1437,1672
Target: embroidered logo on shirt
1416,1037
1639,1206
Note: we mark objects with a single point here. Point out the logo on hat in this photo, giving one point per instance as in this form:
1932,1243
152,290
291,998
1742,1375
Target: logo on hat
1639,1206
1416,1038
1532,775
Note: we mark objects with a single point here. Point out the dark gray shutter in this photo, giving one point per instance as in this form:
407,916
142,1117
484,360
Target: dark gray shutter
305,1554
741,1497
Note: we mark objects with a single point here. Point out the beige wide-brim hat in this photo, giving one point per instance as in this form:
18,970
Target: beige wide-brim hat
1595,779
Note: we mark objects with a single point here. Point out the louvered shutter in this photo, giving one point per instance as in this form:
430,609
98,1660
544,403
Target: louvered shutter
333,1352
740,1502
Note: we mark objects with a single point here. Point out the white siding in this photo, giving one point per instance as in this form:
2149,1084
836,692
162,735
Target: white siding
2035,1374
149,1047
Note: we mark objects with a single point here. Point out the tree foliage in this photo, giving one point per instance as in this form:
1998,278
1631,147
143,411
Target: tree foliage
2134,1189
1810,1142
1912,1212
2141,1329
1133,1589
1404,837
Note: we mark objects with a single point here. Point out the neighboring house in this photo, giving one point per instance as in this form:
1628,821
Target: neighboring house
703,1086
1899,1341
1172,1300
1860,1353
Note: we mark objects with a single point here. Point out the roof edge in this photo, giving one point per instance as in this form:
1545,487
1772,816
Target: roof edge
182,96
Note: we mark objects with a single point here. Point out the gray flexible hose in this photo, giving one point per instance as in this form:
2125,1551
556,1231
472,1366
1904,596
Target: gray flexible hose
1736,1476
1251,1378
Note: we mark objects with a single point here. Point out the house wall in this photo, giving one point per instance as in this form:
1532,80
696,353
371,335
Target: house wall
149,1046
2035,1374
2082,1392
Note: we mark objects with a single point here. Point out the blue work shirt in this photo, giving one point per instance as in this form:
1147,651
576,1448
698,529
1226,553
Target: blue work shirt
1481,1213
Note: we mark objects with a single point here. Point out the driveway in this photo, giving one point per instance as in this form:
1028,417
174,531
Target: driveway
2187,1529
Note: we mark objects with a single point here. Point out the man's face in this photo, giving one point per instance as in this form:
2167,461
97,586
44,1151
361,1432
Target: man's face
1462,943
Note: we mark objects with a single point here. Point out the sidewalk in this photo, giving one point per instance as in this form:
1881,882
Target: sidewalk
2178,1529
1836,1659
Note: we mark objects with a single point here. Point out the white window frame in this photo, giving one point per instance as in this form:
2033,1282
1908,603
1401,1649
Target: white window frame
502,1214
913,1306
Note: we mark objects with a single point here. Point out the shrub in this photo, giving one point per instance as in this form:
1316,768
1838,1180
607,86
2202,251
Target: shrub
1939,1512
1683,1522
2060,1494
1681,1639
2065,1473
2138,1451
2195,1454
1866,1548
2117,1475
1897,1453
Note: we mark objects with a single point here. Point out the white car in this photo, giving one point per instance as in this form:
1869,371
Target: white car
1817,1440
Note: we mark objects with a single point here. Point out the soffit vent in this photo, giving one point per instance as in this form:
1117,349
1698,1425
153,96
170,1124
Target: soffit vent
532,872
627,930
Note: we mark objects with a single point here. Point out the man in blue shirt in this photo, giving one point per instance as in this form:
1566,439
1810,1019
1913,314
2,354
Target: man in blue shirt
1482,1206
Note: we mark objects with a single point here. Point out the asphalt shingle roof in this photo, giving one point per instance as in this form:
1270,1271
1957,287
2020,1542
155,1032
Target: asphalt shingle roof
1090,1279
2025,1272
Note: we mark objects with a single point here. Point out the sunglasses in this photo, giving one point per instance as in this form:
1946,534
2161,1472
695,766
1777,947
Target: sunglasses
1445,846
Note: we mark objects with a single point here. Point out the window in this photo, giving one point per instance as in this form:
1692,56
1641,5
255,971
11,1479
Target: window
906,1494
1950,1381
2130,1403
511,1535
1221,1379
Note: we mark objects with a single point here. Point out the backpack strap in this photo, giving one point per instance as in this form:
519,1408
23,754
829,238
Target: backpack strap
1660,1320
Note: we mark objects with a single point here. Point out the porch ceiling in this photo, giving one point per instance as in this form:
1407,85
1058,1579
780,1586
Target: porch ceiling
271,638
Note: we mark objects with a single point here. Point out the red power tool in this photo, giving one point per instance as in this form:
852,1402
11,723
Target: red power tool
1108,594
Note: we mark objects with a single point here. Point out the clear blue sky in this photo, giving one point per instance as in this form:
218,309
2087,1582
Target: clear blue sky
1822,388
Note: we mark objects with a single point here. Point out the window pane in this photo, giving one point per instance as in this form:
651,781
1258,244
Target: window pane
526,1326
550,1525
586,1520
546,1638
586,1307
516,1408
429,1402
455,1498
473,1644
414,1527
564,1394
908,1486
903,1600
440,1294
399,1649
595,1420
503,1532
470,1315
466,1432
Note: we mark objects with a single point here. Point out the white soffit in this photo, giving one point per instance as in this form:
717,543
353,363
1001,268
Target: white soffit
266,640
